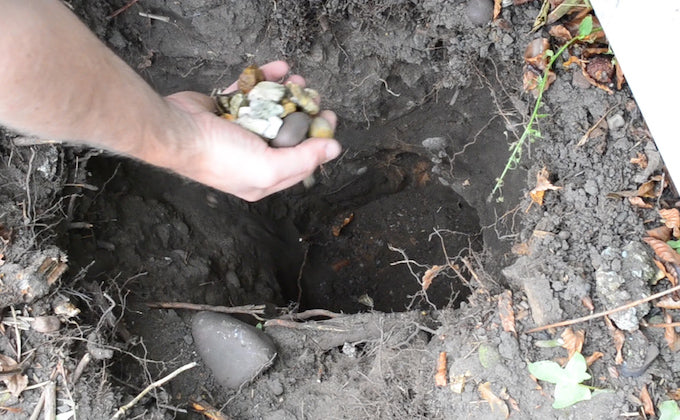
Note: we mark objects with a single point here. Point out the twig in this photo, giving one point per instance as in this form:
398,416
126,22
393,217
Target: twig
121,411
50,407
605,313
80,368
122,9
311,313
165,19
253,310
586,136
18,334
302,325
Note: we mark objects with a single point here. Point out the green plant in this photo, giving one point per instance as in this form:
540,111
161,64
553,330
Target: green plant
530,132
674,244
567,380
668,410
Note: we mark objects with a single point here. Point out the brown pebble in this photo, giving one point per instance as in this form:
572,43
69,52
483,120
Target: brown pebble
293,131
320,128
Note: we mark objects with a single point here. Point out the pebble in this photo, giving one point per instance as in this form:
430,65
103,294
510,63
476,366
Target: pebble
266,128
615,122
268,91
320,128
293,130
480,12
235,352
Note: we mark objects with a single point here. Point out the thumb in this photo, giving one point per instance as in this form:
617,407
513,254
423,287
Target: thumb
301,160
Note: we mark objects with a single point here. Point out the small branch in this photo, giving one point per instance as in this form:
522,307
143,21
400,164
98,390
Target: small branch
154,17
50,406
121,411
122,9
253,310
311,313
605,313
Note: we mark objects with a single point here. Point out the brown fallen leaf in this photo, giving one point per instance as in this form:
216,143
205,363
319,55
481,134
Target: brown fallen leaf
207,410
669,334
561,33
662,233
671,218
619,338
646,190
542,185
640,160
11,375
506,313
430,274
588,303
667,302
573,340
497,6
639,202
497,404
521,249
344,222
440,376
671,275
594,357
647,404
663,250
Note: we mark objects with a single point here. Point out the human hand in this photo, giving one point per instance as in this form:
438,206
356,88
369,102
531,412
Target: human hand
225,156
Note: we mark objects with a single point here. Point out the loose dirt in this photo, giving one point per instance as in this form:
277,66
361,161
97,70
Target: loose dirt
428,102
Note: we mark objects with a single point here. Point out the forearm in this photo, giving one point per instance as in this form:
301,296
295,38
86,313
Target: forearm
58,81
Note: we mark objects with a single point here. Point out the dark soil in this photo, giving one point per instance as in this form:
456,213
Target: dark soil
428,103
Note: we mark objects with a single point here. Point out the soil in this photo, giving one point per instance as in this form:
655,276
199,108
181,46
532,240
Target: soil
428,102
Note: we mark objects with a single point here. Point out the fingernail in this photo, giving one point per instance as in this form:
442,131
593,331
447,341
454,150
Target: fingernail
333,150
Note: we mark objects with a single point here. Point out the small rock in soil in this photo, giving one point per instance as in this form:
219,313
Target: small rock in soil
234,351
480,12
626,279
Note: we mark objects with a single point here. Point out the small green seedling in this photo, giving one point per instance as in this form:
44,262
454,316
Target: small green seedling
675,245
530,133
668,410
567,380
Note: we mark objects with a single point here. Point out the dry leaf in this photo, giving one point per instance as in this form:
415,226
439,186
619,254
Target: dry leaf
542,185
674,394
572,60
671,218
667,302
647,404
619,338
497,6
588,303
430,274
505,312
497,405
669,334
440,376
561,33
640,160
639,202
593,357
345,221
663,250
12,377
521,249
662,233
666,273
573,341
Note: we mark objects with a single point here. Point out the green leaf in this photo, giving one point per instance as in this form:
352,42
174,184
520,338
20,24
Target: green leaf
576,368
547,370
586,26
674,244
668,410
567,394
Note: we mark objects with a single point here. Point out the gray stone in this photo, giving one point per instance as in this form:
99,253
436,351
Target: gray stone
480,12
234,351
293,131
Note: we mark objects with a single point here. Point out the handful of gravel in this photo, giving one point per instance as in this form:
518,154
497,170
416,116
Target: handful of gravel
284,115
